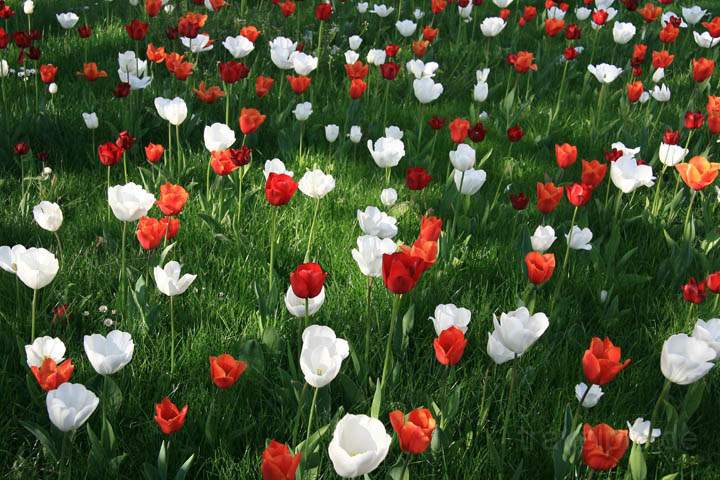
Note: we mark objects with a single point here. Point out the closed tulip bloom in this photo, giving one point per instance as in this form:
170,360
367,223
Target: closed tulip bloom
401,272
281,49
369,253
589,398
579,238
470,181
279,189
430,228
331,132
250,120
296,305
426,90
698,172
111,353
448,315
406,28
172,199
414,432
548,197
671,155
635,91
50,375
578,194
623,32
109,154
492,26
705,40
355,134
601,361
154,152
417,178
480,91
322,355
565,155
303,111
238,46
712,281
278,463
543,238
685,360
225,370
593,173
375,222
44,348
463,157
307,280
640,432
169,281
702,69
358,446
48,215
540,267
605,73
316,184
603,447
275,166
91,120
449,346
420,69
708,332
693,15
376,57
129,202
386,151
388,197
168,417
514,333
70,406
175,111
36,267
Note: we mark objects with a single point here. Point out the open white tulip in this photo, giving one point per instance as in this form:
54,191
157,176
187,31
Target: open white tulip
201,43
91,120
43,348
322,355
394,131
218,137
386,152
671,155
169,281
238,46
591,398
67,20
70,405
129,202
426,90
9,256
175,111
358,446
296,305
111,353
693,15
276,166
316,184
303,64
661,93
543,238
281,49
579,238
375,222
705,40
48,215
627,175
382,11
605,73
36,267
492,26
685,360
709,332
623,32
514,333
449,315
303,111
640,433
420,69
388,197
406,28
369,252
376,57
470,181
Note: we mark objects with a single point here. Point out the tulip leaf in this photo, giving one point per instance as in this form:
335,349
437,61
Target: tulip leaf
41,435
185,468
162,462
377,400
352,395
671,476
638,468
114,396
400,472
693,398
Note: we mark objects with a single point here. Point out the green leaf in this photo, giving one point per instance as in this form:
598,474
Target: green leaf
377,400
693,398
185,468
162,461
638,468
400,472
671,476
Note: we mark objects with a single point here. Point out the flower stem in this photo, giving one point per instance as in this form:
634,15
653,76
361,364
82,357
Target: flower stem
312,230
34,315
656,409
508,406
310,421
172,337
686,234
272,248
367,322
122,269
388,346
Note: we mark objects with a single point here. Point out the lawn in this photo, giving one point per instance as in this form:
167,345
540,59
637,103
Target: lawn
510,420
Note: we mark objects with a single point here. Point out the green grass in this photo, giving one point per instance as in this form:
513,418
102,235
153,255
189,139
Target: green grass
228,305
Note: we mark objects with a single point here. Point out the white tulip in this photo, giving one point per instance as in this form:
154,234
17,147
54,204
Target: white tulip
661,93
406,28
463,157
374,222
369,252
303,111
43,348
281,49
623,32
355,134
394,132
543,238
603,4
705,40
671,155
658,75
470,181
48,215
627,175
109,354
239,46
388,197
362,7
376,57
628,151
70,405
218,137
492,26
28,7
426,90
693,15
322,355
67,20
668,16
129,63
502,3
316,184
331,132
480,92
591,398
52,88
709,332
36,267
303,64
582,13
579,238
129,202
465,12
9,256
420,69
386,152
685,360
382,11
355,41
514,333
358,446
275,166
351,57
448,315
91,120
160,103
555,12
418,14
605,73
4,68
175,111
201,43
640,433
296,305
169,281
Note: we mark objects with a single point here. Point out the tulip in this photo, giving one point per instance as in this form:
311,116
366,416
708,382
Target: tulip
463,157
603,447
693,15
355,134
387,153
415,432
281,49
50,375
172,199
331,132
514,333
315,184
492,26
685,360
44,348
540,267
239,46
70,406
279,189
588,397
623,32
321,356
448,316
579,238
67,20
426,90
627,175
218,136
708,332
449,346
359,445
420,69
369,254
374,222
109,354
565,155
601,362
470,181
36,268
307,280
91,120
225,370
170,283
168,417
640,432
605,73
275,166
278,463
9,257
548,197
48,215
303,307
129,202
388,197
406,28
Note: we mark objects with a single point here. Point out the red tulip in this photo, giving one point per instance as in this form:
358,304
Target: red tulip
225,370
519,201
540,267
603,447
50,375
232,71
694,291
357,88
263,85
459,130
415,432
279,189
299,83
150,232
389,70
323,11
136,29
515,134
712,282
417,178
168,417
601,362
172,199
48,72
278,463
250,120
109,154
578,194
565,155
307,280
635,91
430,228
593,173
450,346
154,152
548,196
401,272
